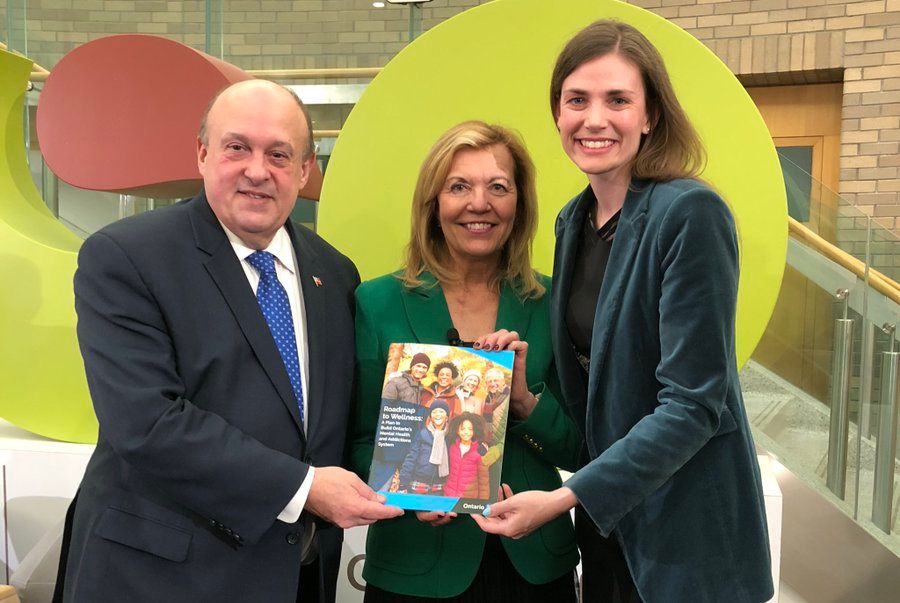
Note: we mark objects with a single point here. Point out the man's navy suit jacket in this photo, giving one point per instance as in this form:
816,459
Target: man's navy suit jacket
200,444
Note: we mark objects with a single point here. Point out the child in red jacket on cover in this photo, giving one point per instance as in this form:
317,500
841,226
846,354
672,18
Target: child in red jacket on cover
468,477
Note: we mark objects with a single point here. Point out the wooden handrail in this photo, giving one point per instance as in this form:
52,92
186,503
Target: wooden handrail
881,283
39,74
326,133
37,69
310,74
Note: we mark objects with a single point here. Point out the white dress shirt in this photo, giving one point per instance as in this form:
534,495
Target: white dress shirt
288,275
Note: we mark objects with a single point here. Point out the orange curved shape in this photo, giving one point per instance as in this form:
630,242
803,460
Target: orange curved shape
121,113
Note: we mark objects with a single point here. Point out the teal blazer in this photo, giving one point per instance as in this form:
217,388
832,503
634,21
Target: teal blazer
673,472
407,556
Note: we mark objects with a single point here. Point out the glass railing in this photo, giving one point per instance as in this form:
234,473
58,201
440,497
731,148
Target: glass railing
821,389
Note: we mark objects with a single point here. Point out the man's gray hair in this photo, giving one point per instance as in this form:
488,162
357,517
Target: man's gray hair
495,371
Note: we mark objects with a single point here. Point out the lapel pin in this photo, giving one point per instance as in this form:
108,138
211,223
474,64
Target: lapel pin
317,281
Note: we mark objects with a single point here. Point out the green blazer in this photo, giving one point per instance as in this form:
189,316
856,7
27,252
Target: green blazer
407,556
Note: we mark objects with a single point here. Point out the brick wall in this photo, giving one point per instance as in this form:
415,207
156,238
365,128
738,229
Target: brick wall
763,41
769,42
257,34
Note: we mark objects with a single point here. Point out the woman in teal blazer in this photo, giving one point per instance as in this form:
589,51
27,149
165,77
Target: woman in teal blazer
670,506
474,217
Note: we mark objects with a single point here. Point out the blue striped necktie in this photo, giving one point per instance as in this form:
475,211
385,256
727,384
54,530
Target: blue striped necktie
273,301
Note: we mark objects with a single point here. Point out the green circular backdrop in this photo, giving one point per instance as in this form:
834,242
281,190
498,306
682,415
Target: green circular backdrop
493,63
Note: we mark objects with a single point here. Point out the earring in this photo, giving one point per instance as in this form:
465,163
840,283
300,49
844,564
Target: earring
646,129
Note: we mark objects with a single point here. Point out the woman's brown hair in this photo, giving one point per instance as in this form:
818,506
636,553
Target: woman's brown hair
672,149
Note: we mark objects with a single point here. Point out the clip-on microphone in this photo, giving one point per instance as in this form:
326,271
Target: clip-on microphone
453,339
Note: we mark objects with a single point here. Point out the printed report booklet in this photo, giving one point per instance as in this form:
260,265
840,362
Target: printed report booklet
441,427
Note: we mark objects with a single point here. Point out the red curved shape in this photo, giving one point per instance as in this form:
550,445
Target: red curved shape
121,113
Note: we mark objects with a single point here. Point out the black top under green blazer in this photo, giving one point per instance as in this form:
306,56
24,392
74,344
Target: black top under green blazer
407,556
673,474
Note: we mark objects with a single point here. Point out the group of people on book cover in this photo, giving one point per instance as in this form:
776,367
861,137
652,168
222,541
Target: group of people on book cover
455,452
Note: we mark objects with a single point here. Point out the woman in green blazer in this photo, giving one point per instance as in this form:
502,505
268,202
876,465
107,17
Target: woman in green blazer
670,506
468,267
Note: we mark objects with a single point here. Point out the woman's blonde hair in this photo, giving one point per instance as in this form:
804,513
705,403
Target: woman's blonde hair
672,149
427,248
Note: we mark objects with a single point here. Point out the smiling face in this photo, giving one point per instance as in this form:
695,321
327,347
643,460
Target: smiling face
602,116
494,381
465,432
471,383
438,417
252,160
477,204
445,377
418,370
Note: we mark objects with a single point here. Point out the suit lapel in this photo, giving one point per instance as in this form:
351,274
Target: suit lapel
426,308
563,270
426,304
513,314
628,234
564,264
315,303
226,271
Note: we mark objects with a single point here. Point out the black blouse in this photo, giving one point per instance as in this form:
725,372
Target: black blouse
594,246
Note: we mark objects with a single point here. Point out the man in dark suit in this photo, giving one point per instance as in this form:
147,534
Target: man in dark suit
218,345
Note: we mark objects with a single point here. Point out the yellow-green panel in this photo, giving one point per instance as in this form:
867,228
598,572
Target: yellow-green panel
493,62
42,385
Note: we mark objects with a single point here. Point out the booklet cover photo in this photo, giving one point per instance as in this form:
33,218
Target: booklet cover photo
441,427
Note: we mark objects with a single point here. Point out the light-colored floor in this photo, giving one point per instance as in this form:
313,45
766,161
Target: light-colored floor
786,594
